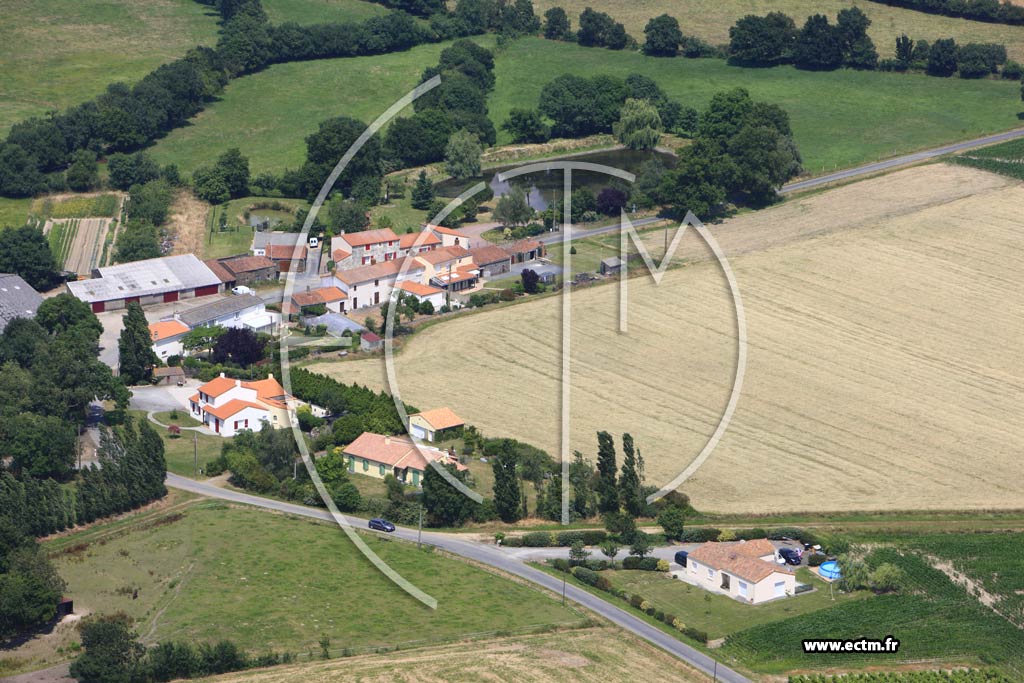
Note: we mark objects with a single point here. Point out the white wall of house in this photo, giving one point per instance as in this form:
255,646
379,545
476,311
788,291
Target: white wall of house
247,418
171,346
371,292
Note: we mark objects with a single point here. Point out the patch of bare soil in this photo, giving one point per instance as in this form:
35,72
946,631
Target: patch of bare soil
973,587
187,223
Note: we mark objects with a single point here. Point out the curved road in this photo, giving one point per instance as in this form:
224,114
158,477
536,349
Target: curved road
493,557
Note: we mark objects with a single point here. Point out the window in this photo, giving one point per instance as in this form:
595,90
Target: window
743,588
376,283
351,464
366,464
382,470
711,573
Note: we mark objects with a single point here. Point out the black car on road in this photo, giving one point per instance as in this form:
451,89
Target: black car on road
791,556
379,524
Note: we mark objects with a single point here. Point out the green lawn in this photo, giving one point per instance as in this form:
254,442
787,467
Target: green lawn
181,452
14,212
270,581
55,53
933,618
268,115
840,118
237,238
318,11
719,615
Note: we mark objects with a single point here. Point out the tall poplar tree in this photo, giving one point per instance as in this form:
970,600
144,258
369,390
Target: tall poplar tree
607,491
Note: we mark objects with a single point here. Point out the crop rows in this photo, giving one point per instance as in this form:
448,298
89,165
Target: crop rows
958,676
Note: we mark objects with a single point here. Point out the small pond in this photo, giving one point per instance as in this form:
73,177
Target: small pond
546,186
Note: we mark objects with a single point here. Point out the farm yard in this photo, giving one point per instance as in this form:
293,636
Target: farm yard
710,20
881,374
839,118
593,655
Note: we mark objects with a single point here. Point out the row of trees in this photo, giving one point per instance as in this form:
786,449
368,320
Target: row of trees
995,11
113,654
596,29
775,39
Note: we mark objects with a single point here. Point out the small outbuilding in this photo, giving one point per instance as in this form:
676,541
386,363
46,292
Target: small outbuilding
435,425
369,341
611,265
169,375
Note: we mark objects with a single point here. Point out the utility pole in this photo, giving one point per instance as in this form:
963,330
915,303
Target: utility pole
563,589
716,672
419,528
195,452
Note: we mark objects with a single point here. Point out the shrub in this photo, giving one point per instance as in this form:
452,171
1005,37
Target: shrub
561,564
678,624
603,583
699,535
644,606
539,539
631,562
567,538
1011,70
669,618
727,535
585,575
499,537
698,635
650,564
593,536
596,565
513,542
662,566
507,295
659,615
636,601
751,534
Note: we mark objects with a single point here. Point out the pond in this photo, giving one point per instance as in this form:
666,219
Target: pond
546,186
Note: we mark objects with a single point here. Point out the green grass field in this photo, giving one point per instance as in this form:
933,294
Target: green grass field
840,118
933,618
75,206
55,53
317,11
14,212
719,615
268,115
269,581
180,452
711,19
1006,159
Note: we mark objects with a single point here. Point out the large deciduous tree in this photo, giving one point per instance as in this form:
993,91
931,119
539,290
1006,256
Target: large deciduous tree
639,125
663,36
462,155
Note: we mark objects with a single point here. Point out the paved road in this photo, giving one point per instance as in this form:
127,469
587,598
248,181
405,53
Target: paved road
901,161
493,557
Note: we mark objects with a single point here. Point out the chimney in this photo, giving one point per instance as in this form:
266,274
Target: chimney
387,440
222,374
238,382
270,375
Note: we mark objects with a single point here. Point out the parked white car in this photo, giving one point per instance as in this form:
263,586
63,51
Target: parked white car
240,289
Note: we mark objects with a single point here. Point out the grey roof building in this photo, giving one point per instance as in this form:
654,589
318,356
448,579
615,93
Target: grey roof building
156,280
337,324
17,299
261,240
217,311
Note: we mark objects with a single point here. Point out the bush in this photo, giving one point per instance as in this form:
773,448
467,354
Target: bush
539,539
567,538
668,618
585,575
561,564
604,584
594,536
699,636
700,535
727,535
662,566
647,564
513,542
631,562
1011,71
636,601
815,559
596,565
215,467
751,534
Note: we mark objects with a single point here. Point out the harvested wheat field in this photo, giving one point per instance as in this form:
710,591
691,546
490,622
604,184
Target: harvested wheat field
884,322
187,222
593,655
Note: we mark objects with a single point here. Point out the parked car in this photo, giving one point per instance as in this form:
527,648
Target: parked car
681,557
241,289
791,555
379,524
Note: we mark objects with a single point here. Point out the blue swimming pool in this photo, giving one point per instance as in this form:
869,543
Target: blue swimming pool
830,570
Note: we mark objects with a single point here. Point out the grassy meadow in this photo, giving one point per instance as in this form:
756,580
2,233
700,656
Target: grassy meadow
711,19
207,571
840,118
55,53
318,11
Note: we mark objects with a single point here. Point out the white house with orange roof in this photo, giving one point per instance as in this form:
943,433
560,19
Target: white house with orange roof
227,406
434,425
450,237
413,243
421,292
378,455
371,285
353,249
450,268
747,571
167,336
331,297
